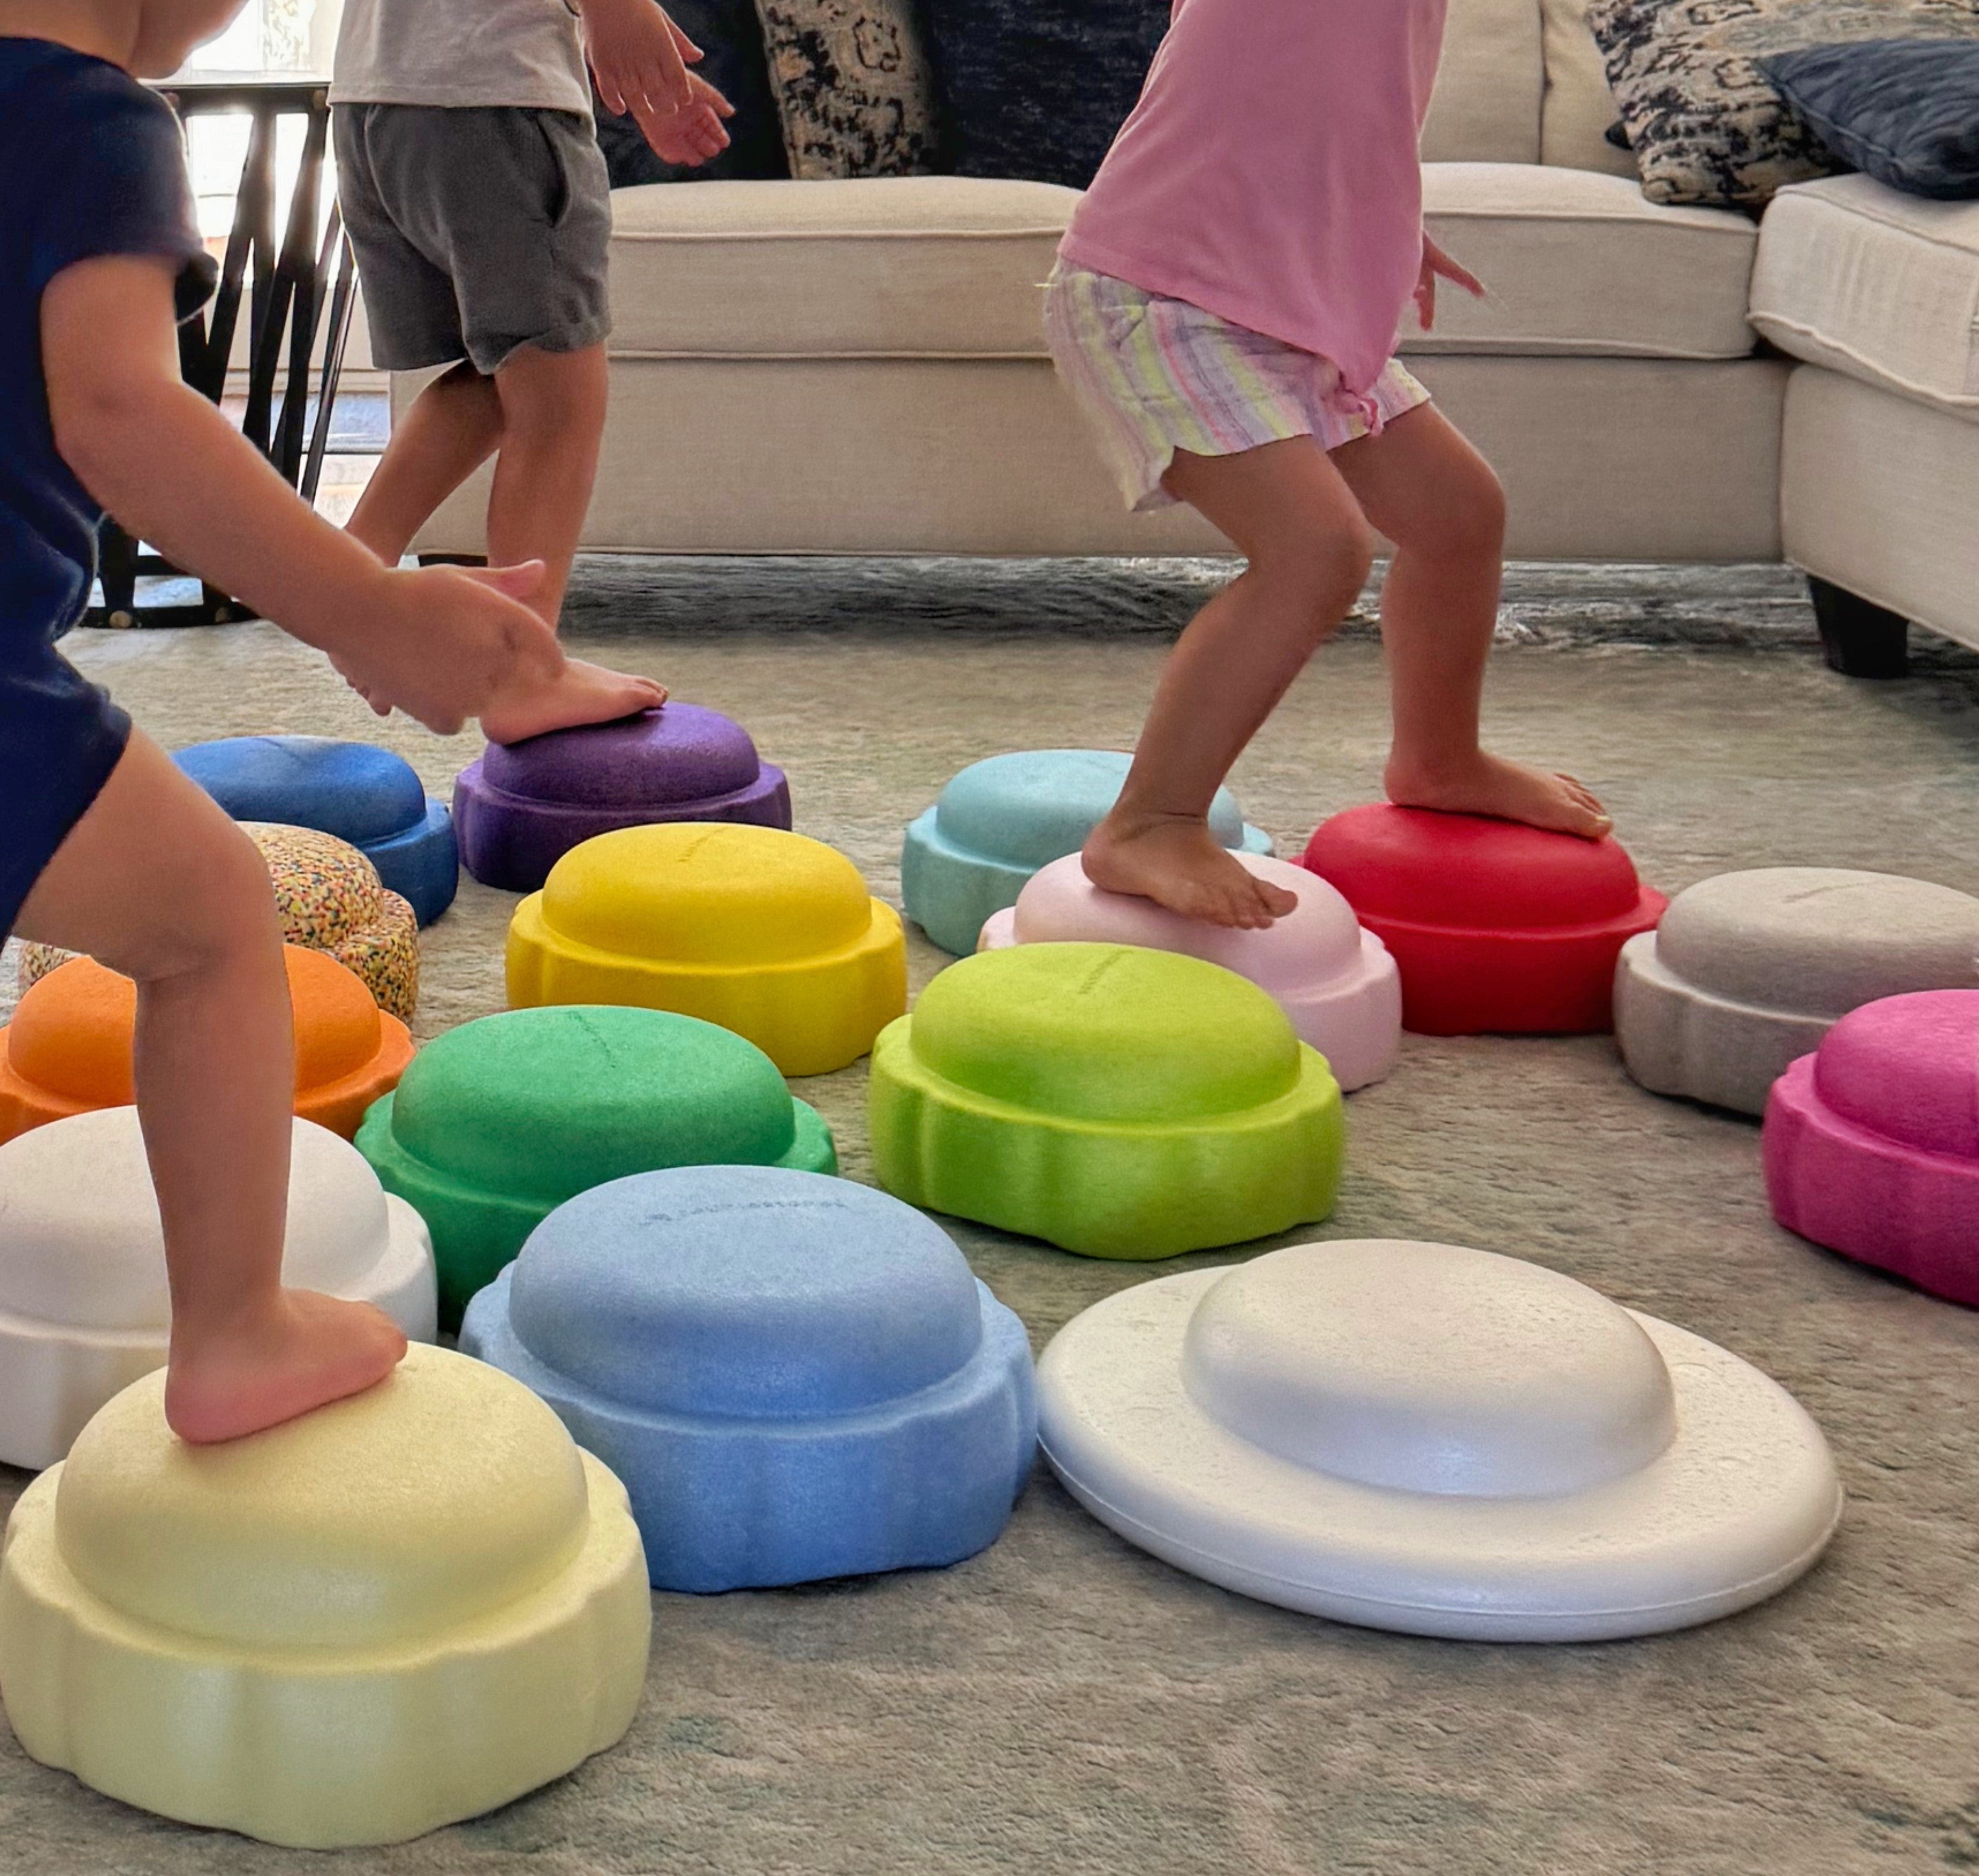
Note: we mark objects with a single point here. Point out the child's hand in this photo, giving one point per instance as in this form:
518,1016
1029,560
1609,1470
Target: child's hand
447,641
640,59
1437,264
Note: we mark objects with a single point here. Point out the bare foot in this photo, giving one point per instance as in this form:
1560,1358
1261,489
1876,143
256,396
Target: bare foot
1176,862
581,693
251,1373
1509,790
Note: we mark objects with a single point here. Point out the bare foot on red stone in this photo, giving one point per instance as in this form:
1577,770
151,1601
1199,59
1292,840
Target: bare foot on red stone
1176,861
579,695
1488,784
230,1380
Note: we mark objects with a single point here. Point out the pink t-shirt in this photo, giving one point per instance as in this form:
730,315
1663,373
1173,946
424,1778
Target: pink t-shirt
1269,174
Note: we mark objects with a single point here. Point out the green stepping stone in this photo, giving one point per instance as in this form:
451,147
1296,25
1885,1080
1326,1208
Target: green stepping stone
1114,1102
499,1121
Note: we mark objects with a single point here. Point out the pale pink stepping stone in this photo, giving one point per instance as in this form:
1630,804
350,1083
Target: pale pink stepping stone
1871,1143
1334,980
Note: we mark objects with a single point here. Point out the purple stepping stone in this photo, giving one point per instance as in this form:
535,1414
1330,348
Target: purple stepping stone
520,808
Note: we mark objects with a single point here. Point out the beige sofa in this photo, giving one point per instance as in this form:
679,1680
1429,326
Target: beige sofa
858,366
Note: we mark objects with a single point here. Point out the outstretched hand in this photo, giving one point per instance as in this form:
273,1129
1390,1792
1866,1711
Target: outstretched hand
640,59
447,641
1438,265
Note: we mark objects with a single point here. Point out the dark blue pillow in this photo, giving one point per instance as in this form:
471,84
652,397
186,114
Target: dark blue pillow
729,33
1905,111
1037,88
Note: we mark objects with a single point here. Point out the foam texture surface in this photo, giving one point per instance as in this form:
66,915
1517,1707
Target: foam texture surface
1439,1441
498,1122
759,930
1496,927
796,1377
69,1047
1748,970
998,820
1871,1143
1336,982
521,806
403,1609
1113,1101
368,796
84,1310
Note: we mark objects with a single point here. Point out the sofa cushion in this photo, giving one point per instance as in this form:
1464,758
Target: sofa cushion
1880,286
1578,110
1486,108
854,91
1903,111
910,267
1579,263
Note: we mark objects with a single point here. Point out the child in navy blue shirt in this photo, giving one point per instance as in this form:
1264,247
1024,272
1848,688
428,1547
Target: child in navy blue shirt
104,846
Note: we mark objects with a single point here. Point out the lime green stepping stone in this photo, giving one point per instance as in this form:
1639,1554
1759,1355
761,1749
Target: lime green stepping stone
1114,1102
498,1122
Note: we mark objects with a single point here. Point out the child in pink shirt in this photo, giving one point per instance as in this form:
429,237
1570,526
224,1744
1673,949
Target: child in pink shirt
1225,307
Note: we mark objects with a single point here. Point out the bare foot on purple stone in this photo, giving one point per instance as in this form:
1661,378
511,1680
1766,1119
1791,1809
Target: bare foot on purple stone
1488,784
232,1378
1176,861
579,695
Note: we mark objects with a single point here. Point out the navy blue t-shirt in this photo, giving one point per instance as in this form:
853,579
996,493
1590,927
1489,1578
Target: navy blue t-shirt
91,163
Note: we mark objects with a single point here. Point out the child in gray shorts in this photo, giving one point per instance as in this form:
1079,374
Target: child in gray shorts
478,204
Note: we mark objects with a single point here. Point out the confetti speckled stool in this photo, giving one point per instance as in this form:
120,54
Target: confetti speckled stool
361,793
69,1047
998,820
1748,970
1443,1441
329,898
796,1377
1871,1143
84,1310
1336,982
520,807
399,1611
1496,928
498,1122
1116,1102
762,931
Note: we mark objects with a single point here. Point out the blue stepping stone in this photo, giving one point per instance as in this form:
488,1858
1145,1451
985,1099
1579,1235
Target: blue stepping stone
361,793
796,1377
999,820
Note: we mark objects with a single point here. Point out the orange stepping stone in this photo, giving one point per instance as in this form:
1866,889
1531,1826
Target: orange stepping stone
67,1050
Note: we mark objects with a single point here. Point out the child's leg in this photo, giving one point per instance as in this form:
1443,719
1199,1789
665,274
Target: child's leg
451,428
156,881
553,423
1295,521
1423,485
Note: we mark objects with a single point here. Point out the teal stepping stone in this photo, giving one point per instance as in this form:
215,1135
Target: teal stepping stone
1000,820
497,1123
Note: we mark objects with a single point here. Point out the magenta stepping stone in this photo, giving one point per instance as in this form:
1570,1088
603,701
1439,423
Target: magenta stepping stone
1871,1143
522,806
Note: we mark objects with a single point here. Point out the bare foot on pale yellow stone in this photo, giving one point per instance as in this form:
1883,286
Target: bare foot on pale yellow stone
580,694
229,1380
1176,861
1488,785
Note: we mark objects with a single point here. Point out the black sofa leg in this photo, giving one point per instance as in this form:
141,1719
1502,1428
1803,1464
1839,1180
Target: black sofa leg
452,560
1859,638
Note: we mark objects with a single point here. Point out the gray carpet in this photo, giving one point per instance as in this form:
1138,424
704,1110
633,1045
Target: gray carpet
1064,1703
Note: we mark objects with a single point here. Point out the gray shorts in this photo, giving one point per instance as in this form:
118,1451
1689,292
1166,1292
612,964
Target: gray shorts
478,230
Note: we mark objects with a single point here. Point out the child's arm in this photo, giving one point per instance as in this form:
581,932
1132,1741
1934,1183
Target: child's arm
640,59
437,643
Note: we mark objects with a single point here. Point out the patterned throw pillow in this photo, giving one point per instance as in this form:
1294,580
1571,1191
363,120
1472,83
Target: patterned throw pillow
1706,126
854,86
1905,111
731,41
1038,88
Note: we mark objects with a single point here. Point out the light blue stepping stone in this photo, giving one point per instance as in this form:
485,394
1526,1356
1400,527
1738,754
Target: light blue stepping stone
361,793
1000,820
795,1377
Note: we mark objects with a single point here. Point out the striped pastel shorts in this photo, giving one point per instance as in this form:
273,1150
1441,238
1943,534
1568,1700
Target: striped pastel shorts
1157,375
